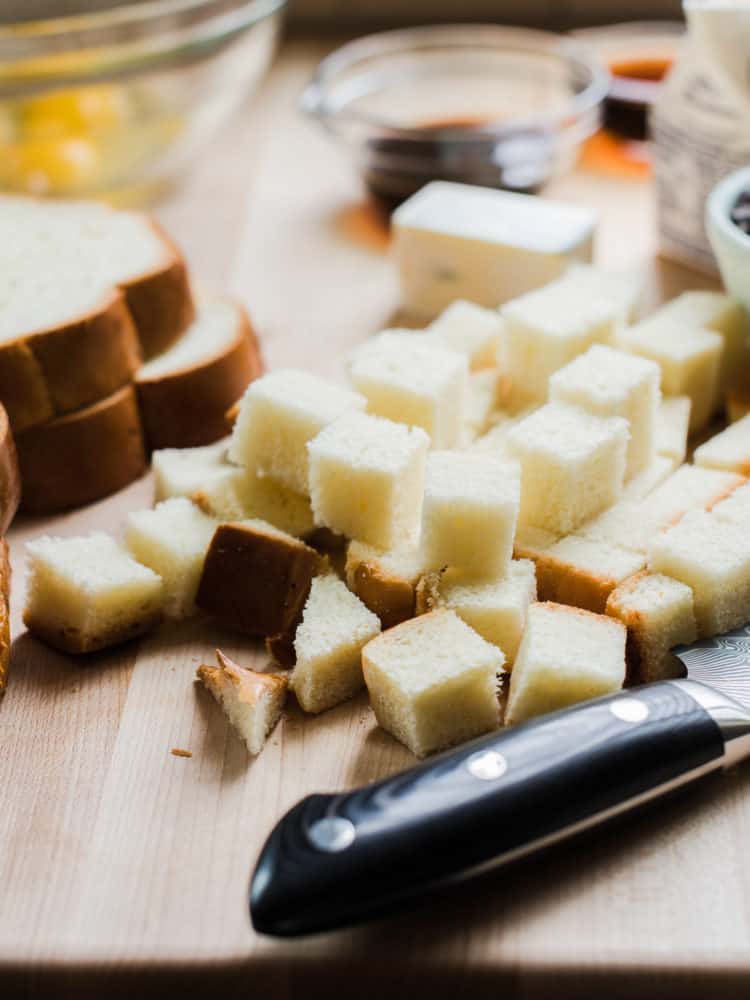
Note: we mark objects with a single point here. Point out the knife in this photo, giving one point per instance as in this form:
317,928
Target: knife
336,860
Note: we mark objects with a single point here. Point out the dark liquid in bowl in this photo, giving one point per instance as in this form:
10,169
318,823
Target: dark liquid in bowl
456,150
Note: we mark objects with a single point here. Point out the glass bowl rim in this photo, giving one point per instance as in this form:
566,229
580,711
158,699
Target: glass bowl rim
518,40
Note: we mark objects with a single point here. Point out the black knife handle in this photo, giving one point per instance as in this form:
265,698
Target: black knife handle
334,860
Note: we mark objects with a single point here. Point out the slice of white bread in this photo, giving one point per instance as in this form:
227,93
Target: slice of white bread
385,582
83,456
712,556
328,645
735,507
672,425
172,540
566,655
251,700
86,593
280,413
79,282
583,572
4,615
10,476
433,682
572,465
728,450
470,329
495,609
612,383
184,393
658,614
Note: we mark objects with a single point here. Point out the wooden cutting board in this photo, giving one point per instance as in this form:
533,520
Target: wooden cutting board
124,868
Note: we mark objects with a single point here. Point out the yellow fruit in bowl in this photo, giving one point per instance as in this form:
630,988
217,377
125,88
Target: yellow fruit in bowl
83,111
65,166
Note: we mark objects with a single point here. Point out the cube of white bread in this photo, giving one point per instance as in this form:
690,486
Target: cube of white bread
385,582
251,700
583,572
226,491
652,476
495,439
611,383
458,241
626,524
729,450
495,609
470,512
622,287
572,465
86,593
735,507
547,328
721,313
433,682
688,488
407,379
279,415
367,479
712,556
479,404
566,655
530,542
672,426
470,329
328,645
658,614
689,358
172,540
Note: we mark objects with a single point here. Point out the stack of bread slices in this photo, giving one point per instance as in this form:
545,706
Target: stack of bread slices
494,519
103,353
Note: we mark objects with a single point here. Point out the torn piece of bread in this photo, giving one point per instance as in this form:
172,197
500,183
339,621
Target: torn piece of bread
658,614
328,645
256,578
82,456
280,413
4,615
252,701
184,393
495,609
172,540
712,556
10,476
572,465
672,426
433,682
367,479
583,572
728,450
471,330
566,655
385,582
545,329
612,383
470,512
735,507
407,378
86,593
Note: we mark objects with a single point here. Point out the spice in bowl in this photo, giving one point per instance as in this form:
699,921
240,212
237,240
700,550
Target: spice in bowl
740,212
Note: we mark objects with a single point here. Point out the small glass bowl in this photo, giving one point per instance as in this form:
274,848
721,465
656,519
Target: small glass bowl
480,104
113,103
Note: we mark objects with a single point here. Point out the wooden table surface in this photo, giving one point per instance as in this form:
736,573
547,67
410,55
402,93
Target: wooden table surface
124,869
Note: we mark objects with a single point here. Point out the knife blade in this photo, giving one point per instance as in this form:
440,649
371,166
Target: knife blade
336,860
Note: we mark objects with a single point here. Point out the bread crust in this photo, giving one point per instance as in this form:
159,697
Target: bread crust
71,640
188,407
4,615
82,456
560,582
10,476
391,598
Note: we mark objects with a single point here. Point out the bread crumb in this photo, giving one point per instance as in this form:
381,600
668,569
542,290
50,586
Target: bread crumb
177,752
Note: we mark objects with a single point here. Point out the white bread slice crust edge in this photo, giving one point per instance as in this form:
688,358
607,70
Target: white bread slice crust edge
82,456
4,615
185,392
10,475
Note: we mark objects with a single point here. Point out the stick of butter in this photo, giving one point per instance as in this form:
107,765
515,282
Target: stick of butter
457,241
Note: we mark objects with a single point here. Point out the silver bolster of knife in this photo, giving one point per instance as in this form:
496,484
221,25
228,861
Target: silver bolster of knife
732,719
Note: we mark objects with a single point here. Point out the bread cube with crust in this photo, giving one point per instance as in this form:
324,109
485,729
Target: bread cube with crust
367,480
87,593
566,655
280,413
470,511
471,330
572,465
583,572
433,682
385,582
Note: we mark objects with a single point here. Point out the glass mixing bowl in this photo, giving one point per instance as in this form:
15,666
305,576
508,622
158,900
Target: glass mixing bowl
501,107
112,100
